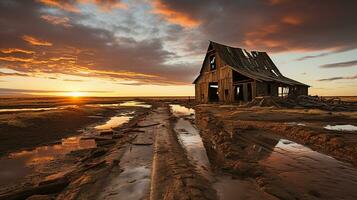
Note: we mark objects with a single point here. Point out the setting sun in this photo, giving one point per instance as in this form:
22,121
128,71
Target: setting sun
75,94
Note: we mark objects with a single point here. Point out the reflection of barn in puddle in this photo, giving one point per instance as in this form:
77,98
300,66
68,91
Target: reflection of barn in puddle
230,74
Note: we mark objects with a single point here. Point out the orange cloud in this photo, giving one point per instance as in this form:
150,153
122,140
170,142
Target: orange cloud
62,58
64,21
24,60
16,50
60,4
260,37
118,73
36,42
107,5
71,6
292,20
15,59
174,16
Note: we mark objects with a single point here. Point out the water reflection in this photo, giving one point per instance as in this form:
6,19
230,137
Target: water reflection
19,164
305,170
113,122
341,127
191,140
135,104
180,111
35,109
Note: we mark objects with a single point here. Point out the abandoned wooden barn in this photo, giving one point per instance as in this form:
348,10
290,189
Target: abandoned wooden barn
230,74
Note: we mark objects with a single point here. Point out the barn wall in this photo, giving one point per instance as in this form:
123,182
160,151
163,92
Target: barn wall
222,75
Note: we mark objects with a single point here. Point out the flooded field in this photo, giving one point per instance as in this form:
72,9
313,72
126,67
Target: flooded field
20,164
311,172
17,165
131,150
226,187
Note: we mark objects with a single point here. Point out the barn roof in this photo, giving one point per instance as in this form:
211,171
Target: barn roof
255,65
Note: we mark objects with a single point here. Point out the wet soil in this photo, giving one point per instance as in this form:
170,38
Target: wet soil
259,146
31,129
174,150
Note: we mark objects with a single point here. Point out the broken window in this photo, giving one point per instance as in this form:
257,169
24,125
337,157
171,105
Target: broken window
283,91
212,61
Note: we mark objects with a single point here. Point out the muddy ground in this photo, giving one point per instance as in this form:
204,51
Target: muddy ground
174,149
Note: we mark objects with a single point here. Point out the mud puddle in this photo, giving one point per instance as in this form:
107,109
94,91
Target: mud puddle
35,109
190,139
311,173
135,104
114,122
346,127
17,165
124,104
134,182
135,179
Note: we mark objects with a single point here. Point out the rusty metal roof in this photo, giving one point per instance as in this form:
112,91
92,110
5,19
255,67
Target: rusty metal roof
255,65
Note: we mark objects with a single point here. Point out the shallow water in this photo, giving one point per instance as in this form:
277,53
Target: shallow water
190,139
305,170
113,122
19,164
134,182
346,127
135,104
180,111
295,124
35,109
125,104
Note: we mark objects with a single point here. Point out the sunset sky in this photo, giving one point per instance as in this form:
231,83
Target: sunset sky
156,48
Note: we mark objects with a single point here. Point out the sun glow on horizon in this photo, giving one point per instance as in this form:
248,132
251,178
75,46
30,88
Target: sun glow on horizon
75,94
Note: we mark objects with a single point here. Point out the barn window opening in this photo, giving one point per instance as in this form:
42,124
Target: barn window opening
238,96
213,92
212,61
283,91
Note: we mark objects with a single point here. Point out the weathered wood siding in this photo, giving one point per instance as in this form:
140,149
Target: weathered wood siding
222,75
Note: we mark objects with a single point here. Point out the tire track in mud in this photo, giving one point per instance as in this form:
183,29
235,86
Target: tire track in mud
174,177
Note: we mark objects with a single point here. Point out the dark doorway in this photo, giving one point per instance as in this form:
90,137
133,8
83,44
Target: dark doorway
249,91
238,94
213,92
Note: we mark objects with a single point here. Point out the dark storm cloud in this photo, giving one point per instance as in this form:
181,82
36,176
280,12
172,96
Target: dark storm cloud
340,64
70,47
339,78
313,56
273,25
